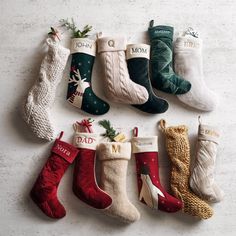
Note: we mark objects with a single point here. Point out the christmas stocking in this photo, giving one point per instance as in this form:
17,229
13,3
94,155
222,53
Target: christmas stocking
80,93
44,191
150,189
162,74
118,86
178,150
114,157
36,108
84,184
138,66
202,179
188,64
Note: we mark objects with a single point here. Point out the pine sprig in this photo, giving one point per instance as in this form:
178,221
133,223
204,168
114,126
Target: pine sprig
110,131
76,33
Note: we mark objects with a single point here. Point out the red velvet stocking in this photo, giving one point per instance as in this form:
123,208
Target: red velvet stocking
44,191
150,189
84,185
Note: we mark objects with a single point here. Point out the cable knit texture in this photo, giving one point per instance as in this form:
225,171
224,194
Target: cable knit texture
188,64
118,85
84,182
114,157
44,191
178,150
202,178
36,107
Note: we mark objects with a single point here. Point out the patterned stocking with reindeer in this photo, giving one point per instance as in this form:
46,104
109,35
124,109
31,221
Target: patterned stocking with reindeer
80,93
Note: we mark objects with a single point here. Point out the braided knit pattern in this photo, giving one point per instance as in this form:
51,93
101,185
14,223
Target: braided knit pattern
178,149
36,107
119,87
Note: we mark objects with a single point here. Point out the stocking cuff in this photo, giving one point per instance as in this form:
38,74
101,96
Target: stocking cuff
86,140
137,51
83,45
161,31
111,44
114,151
65,150
188,42
208,133
144,144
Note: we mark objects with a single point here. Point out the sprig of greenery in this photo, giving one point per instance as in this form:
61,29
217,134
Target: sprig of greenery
76,33
110,131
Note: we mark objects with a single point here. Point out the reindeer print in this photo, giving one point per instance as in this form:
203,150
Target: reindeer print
77,97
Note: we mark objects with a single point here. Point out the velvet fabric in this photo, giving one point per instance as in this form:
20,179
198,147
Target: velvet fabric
44,191
138,71
162,75
167,203
84,182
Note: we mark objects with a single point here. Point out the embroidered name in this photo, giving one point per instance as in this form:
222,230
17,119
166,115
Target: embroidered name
63,150
162,31
210,132
138,50
85,140
115,148
82,44
191,44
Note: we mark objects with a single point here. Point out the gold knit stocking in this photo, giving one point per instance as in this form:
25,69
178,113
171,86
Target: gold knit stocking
178,150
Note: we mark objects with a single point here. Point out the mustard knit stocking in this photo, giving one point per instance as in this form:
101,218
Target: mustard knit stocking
178,150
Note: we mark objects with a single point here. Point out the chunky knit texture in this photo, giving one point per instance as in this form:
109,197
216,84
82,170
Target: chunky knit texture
36,108
188,64
178,150
202,178
114,157
44,191
118,85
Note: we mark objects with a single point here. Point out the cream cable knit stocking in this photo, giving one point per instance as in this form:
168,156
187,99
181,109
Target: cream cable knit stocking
188,64
202,178
36,108
118,86
114,157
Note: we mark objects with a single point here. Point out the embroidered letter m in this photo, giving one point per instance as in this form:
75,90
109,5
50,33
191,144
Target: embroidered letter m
115,148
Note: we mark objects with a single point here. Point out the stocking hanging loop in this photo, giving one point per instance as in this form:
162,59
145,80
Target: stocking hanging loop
151,23
162,124
135,131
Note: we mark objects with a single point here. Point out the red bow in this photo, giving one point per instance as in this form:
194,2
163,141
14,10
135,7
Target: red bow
87,123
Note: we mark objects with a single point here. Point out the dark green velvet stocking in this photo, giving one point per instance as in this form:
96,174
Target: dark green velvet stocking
80,93
138,71
162,75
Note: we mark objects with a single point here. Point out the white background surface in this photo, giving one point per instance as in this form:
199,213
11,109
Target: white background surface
23,25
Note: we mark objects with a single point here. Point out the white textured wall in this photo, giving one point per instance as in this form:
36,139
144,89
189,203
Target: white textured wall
23,25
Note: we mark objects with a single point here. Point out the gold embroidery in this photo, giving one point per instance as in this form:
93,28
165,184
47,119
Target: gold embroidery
115,148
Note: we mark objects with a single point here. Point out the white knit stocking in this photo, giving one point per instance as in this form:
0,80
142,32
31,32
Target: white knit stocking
118,85
36,108
202,178
188,64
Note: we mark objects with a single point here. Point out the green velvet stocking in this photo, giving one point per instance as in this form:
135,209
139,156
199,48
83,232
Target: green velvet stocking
138,63
162,75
